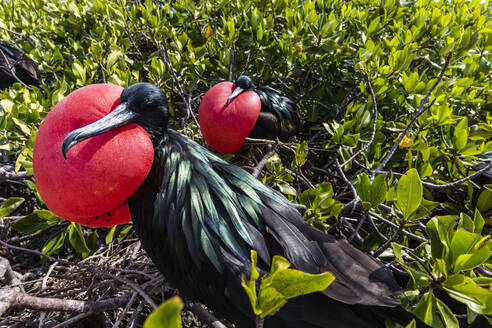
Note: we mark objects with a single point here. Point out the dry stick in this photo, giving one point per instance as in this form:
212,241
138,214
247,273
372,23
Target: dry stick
406,233
101,272
457,182
164,54
136,314
376,228
6,175
344,178
73,320
373,133
420,111
205,316
416,258
484,272
125,310
269,142
384,246
123,280
261,164
9,297
356,199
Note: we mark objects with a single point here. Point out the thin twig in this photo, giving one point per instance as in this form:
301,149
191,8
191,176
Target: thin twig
73,320
261,164
99,271
420,111
205,316
387,244
125,310
393,225
457,182
373,133
344,178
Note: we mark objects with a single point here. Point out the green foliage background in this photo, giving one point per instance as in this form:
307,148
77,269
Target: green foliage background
321,53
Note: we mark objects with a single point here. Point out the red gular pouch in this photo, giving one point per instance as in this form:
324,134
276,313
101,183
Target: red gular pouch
225,126
92,185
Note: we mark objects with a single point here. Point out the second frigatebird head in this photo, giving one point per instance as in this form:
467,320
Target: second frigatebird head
243,83
141,103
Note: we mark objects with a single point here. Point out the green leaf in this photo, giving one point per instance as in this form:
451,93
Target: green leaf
10,205
281,284
469,261
301,155
373,193
36,222
409,193
440,230
465,290
447,316
412,324
484,202
478,222
460,137
426,311
55,242
77,239
167,315
22,126
113,56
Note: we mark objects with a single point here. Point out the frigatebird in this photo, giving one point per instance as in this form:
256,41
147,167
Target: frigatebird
279,116
248,111
198,217
16,67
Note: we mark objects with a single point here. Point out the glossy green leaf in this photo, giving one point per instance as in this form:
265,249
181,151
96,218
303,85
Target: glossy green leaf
409,193
465,290
167,315
460,136
10,205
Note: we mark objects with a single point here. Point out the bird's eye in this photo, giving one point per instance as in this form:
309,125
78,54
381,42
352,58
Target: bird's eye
147,106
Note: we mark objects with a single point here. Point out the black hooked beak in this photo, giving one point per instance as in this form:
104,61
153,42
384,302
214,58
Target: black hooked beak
237,91
120,116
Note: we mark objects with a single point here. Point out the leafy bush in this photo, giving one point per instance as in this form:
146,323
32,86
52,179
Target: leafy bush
368,75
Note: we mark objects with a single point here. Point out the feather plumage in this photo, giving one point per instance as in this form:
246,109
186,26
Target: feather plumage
14,62
222,213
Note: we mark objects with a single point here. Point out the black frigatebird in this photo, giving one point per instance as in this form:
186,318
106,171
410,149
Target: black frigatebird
229,113
15,66
198,217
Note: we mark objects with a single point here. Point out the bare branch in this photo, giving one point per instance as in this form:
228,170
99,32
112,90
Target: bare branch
388,242
10,297
73,320
420,111
7,175
205,316
261,164
457,182
373,133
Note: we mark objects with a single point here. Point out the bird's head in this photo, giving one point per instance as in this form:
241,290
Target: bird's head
142,103
243,83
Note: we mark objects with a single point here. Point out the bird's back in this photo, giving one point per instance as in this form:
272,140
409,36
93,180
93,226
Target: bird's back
14,62
198,218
